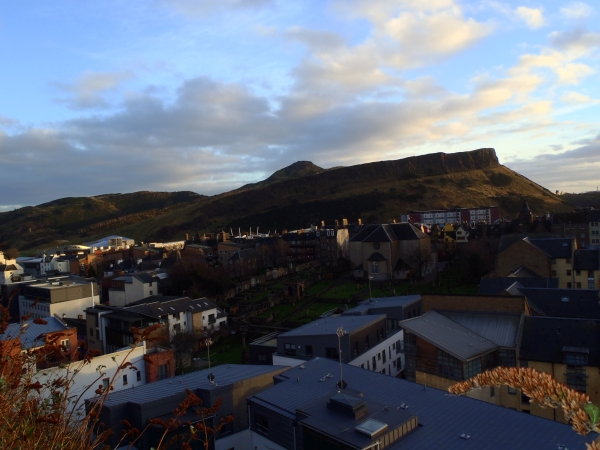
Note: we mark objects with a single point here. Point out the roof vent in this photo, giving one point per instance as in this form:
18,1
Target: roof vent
564,299
465,436
173,309
561,447
565,244
403,406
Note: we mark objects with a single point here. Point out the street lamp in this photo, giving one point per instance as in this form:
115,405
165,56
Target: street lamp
340,333
370,278
210,376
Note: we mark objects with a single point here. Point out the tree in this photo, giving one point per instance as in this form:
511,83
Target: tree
540,387
183,345
11,253
420,257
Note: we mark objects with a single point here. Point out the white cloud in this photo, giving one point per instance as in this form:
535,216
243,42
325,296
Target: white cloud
577,98
533,17
577,10
87,92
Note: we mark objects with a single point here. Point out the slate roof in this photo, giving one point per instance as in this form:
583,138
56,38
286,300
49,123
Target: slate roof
496,285
449,336
545,339
329,325
224,375
144,277
572,303
501,329
442,417
376,257
155,308
553,247
586,260
388,233
33,333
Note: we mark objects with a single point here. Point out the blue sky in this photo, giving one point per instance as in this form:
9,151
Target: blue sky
208,95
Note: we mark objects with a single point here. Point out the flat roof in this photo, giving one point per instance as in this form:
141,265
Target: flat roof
329,325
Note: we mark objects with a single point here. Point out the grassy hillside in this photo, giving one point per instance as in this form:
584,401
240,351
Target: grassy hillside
294,197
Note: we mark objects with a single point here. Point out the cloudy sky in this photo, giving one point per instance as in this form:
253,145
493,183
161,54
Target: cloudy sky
207,95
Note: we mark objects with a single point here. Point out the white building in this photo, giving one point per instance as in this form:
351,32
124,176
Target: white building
10,270
131,288
63,298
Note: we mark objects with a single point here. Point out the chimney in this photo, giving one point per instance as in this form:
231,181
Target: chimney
187,237
322,223
359,221
345,222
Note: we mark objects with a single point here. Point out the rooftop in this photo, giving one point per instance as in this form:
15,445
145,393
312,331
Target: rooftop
442,417
224,375
32,334
329,325
574,303
449,336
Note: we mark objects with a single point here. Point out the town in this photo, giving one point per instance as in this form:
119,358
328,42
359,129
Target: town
339,335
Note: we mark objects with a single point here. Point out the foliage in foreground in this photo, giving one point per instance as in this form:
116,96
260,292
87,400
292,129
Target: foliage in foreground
541,387
45,415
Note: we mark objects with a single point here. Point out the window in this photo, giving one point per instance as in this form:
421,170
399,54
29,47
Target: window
289,349
355,348
66,344
472,368
176,316
399,363
492,392
568,273
331,352
578,284
124,380
379,356
162,372
553,273
105,383
507,358
448,365
211,318
576,378
309,350
578,272
569,285
91,332
383,354
374,363
512,391
553,260
138,376
177,328
261,423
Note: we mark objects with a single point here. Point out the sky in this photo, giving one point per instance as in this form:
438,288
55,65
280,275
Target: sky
208,95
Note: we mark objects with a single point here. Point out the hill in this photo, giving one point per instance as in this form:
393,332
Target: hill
293,197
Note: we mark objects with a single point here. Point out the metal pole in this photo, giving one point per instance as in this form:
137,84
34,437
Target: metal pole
340,333
370,296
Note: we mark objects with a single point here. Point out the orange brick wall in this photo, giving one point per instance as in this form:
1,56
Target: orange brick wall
522,254
153,360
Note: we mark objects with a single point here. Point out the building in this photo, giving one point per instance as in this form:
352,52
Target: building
545,257
487,214
371,337
305,410
63,298
332,245
232,384
566,303
130,288
109,328
567,349
391,251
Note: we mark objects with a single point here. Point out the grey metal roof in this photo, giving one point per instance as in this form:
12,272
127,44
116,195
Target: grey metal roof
501,329
442,417
33,333
224,375
329,325
384,302
448,335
